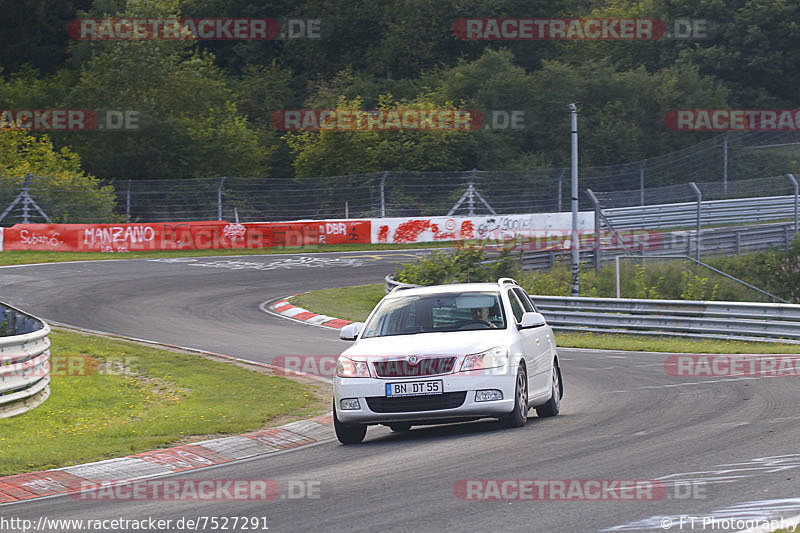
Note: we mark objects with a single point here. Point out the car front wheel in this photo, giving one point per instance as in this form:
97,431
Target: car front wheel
348,433
519,415
554,403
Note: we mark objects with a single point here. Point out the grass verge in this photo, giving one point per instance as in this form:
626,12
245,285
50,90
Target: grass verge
350,303
24,257
355,303
140,398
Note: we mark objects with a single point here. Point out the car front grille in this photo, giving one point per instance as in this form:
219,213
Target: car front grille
448,400
427,366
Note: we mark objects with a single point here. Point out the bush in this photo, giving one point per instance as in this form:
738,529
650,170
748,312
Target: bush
67,194
775,271
459,266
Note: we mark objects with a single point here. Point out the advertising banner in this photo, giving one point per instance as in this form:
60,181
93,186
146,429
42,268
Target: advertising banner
209,235
554,227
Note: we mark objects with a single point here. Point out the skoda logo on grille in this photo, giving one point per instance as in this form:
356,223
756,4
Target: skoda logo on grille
412,360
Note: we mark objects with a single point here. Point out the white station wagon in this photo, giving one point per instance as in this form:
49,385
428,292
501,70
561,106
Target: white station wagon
446,353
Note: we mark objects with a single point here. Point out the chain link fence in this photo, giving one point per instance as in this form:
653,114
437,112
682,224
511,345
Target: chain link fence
730,165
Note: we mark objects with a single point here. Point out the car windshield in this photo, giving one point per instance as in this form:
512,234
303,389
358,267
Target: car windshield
428,313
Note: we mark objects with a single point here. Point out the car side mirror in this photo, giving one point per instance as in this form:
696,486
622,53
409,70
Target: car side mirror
351,331
532,320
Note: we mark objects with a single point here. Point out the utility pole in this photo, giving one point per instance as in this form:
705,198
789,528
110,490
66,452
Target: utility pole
574,240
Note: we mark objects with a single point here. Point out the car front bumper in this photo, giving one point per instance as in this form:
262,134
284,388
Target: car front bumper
365,388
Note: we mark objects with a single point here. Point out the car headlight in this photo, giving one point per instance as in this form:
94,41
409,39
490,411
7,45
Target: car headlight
347,368
492,358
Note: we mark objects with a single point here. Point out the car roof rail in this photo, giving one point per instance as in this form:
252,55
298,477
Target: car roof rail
404,287
503,281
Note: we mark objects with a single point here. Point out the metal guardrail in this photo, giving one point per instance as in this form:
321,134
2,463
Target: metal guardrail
24,361
718,241
743,321
684,214
390,284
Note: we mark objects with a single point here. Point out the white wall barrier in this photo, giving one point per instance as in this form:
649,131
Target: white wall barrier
555,227
24,361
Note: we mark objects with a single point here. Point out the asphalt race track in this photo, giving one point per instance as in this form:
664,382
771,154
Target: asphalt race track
737,441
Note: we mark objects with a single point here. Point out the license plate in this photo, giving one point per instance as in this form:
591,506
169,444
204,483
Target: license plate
414,388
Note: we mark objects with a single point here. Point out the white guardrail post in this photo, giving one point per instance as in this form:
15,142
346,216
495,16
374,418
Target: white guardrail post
24,361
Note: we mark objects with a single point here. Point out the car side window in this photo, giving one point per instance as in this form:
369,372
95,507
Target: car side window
516,307
524,300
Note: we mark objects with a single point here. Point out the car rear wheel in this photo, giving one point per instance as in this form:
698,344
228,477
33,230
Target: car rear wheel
348,433
401,427
554,403
519,415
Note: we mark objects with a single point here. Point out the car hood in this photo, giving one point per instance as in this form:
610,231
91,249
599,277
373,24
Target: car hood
444,343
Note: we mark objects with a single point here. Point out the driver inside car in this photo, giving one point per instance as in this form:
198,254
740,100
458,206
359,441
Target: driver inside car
482,314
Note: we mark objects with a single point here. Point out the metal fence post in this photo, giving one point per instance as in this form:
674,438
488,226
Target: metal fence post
596,203
471,198
219,198
641,184
26,200
25,197
560,179
128,204
383,193
796,199
699,194
725,164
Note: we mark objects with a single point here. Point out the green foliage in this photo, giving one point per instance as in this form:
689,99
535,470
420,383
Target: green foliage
331,153
696,287
189,124
459,266
67,194
204,106
642,287
776,271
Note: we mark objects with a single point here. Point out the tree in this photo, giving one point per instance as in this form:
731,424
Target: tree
66,193
33,33
331,153
752,46
189,122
